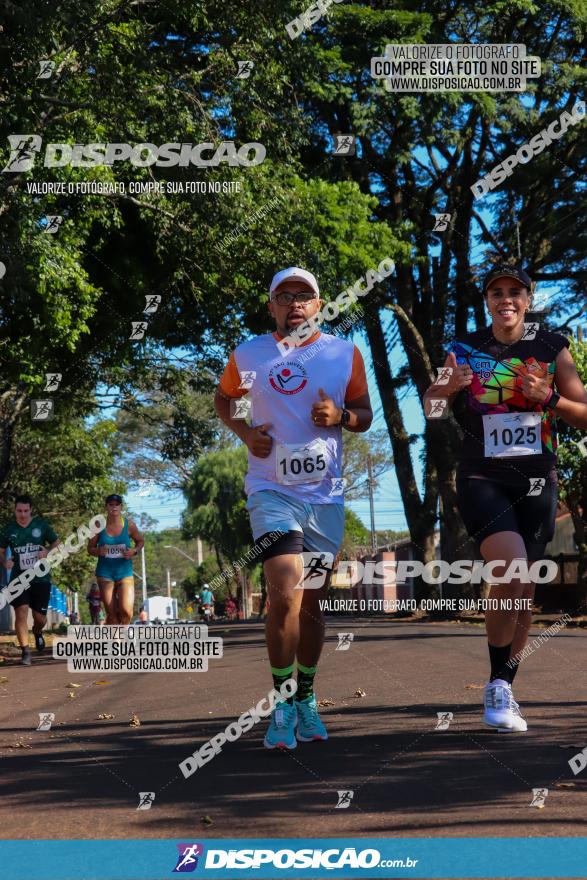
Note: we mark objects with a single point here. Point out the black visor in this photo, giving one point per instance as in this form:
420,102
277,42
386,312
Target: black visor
114,498
505,270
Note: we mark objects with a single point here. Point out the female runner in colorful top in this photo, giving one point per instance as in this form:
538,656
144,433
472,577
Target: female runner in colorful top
509,382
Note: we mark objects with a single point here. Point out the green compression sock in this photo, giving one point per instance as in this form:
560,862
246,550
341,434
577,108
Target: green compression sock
280,676
305,681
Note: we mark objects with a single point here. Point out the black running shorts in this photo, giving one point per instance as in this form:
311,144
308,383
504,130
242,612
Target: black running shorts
490,506
36,597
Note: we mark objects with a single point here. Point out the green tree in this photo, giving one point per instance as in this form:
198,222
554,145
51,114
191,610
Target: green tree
68,469
216,504
164,72
356,539
356,450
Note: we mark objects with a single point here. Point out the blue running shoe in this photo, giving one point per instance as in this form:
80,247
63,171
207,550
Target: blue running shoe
310,726
282,727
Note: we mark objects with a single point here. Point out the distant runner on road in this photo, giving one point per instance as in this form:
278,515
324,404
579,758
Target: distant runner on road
114,571
94,600
29,538
301,402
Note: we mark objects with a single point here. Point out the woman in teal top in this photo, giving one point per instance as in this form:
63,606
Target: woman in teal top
114,571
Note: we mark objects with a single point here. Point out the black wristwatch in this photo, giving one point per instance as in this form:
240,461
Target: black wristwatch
553,402
345,418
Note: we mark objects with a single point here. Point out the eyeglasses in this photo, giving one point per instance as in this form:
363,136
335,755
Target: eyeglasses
285,298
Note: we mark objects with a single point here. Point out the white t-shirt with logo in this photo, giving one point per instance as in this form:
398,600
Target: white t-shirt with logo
305,460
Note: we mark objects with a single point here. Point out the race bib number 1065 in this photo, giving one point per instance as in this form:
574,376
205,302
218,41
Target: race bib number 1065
300,464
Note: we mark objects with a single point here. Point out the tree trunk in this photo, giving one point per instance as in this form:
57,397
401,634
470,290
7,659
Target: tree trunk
420,515
11,406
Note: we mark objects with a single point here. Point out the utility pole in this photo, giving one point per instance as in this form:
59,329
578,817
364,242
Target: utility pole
168,584
245,603
372,506
200,552
144,574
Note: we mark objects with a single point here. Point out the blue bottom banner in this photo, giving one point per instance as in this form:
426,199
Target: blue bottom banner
508,857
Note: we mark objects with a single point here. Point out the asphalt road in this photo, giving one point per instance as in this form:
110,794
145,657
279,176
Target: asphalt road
82,778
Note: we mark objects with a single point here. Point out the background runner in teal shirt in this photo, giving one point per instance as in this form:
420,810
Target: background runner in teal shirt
114,571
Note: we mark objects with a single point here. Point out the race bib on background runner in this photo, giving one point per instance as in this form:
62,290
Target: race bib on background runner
508,434
301,464
28,559
115,551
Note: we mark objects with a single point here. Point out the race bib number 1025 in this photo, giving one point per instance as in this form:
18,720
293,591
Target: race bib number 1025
508,434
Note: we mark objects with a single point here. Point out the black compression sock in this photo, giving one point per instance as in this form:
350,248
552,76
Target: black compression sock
513,668
280,676
499,657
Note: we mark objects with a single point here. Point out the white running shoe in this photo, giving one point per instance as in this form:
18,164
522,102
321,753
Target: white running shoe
520,723
501,710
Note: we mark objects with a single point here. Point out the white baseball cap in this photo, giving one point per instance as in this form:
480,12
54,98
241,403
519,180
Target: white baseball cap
296,274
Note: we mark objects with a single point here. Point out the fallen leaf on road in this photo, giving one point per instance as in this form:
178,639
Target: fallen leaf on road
71,695
565,785
19,744
135,721
359,693
323,703
103,716
101,682
206,820
539,806
72,685
474,687
3,679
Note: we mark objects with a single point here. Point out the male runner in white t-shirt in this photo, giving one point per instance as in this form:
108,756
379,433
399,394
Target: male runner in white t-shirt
300,401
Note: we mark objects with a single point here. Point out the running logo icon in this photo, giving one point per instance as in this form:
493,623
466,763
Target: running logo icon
437,408
338,484
244,69
537,484
247,378
187,860
539,795
530,331
344,641
138,329
344,799
41,410
45,720
146,799
317,567
146,487
52,381
444,719
22,152
344,144
441,222
53,223
46,69
152,303
240,408
444,374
